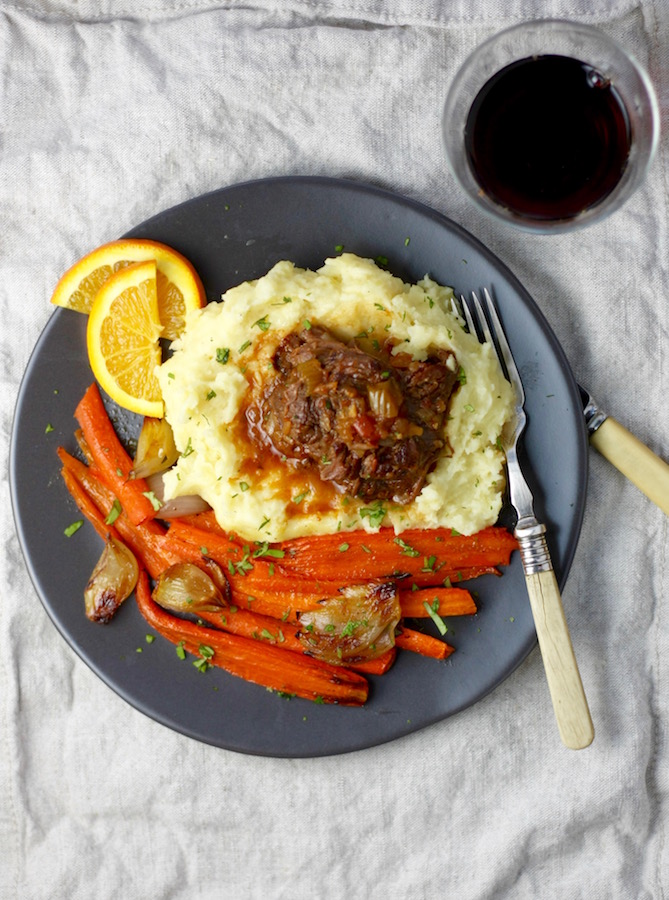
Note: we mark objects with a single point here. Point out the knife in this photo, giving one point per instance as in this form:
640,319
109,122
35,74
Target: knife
626,452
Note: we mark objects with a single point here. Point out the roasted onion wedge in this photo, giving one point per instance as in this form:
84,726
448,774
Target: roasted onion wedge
358,625
187,588
113,580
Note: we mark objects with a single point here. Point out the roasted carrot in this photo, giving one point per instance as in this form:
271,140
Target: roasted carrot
424,644
434,553
445,601
111,457
255,661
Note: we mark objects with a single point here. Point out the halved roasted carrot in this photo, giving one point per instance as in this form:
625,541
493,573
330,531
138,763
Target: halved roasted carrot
111,457
445,601
424,644
256,661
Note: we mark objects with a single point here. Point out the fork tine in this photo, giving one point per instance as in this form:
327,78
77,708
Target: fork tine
483,322
503,344
471,327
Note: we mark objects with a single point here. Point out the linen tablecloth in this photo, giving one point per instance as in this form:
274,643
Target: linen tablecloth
113,110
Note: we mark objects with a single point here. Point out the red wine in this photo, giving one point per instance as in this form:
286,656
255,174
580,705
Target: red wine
547,137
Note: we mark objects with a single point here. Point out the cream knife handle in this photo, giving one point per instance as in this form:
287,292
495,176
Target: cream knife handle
564,680
636,461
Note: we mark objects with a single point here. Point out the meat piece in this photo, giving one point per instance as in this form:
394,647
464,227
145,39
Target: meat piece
372,422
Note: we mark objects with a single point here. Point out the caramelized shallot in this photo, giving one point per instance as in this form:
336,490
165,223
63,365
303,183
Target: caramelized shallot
186,588
358,625
156,450
113,580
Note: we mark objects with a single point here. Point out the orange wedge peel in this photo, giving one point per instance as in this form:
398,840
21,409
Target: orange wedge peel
179,288
134,293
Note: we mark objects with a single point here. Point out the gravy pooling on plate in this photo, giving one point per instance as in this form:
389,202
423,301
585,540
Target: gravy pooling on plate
311,402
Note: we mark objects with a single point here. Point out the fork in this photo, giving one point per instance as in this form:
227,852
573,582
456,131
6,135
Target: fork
562,674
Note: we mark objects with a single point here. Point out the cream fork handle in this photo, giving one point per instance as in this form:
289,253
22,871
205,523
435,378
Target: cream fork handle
564,680
636,461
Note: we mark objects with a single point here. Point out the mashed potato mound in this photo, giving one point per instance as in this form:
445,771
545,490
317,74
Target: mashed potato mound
225,356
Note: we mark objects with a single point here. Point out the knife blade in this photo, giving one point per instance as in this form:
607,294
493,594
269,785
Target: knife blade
627,453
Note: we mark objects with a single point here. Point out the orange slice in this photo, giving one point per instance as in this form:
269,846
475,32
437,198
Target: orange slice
123,338
178,284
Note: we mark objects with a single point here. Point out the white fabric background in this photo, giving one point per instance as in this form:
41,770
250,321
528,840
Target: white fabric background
113,110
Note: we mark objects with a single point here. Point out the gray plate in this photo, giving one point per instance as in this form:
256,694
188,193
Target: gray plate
232,235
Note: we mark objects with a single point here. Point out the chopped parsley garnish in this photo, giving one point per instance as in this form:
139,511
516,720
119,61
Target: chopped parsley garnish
206,654
154,501
243,566
407,549
113,513
262,324
376,513
429,563
263,549
434,615
71,529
